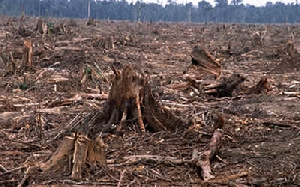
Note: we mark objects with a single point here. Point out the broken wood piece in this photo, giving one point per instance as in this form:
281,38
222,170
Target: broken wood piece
203,59
203,159
81,150
96,153
3,169
79,157
225,180
60,158
291,93
190,83
121,178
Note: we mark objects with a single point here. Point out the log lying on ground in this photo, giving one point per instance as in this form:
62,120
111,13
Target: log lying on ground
226,88
203,158
202,58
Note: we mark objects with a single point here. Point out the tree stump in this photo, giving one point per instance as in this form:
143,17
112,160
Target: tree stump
131,100
27,54
73,154
261,87
40,26
202,58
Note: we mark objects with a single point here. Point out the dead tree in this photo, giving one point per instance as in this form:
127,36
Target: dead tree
202,58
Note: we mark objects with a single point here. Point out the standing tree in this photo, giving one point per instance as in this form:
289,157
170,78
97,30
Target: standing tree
236,2
221,3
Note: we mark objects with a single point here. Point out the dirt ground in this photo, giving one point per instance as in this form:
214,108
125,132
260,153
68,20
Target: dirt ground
261,143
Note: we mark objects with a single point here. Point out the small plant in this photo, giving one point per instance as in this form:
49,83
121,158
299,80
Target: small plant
50,26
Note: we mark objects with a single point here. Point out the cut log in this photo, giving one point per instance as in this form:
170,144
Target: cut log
202,58
203,158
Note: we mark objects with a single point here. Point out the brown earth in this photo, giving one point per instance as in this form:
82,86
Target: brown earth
261,142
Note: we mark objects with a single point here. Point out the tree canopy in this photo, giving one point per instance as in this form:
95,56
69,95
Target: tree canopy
231,12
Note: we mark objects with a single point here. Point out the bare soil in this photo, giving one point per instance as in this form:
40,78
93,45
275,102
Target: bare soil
261,144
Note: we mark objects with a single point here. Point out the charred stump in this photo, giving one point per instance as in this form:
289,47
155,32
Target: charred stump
226,87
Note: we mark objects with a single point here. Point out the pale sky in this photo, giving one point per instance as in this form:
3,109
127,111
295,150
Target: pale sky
251,2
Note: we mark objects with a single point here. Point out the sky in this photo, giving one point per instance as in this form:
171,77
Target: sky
251,2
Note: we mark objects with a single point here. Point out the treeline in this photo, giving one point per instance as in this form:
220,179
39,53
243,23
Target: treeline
235,12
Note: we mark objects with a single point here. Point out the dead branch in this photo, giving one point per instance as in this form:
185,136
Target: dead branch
203,158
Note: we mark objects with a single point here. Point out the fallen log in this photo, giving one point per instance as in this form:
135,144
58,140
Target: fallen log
203,158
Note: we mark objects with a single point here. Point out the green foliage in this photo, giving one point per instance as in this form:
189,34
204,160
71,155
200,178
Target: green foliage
23,86
50,26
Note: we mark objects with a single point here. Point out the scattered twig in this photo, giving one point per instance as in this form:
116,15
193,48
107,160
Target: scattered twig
12,170
121,178
3,169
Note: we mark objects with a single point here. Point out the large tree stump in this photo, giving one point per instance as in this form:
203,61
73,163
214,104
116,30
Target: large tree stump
203,59
131,100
